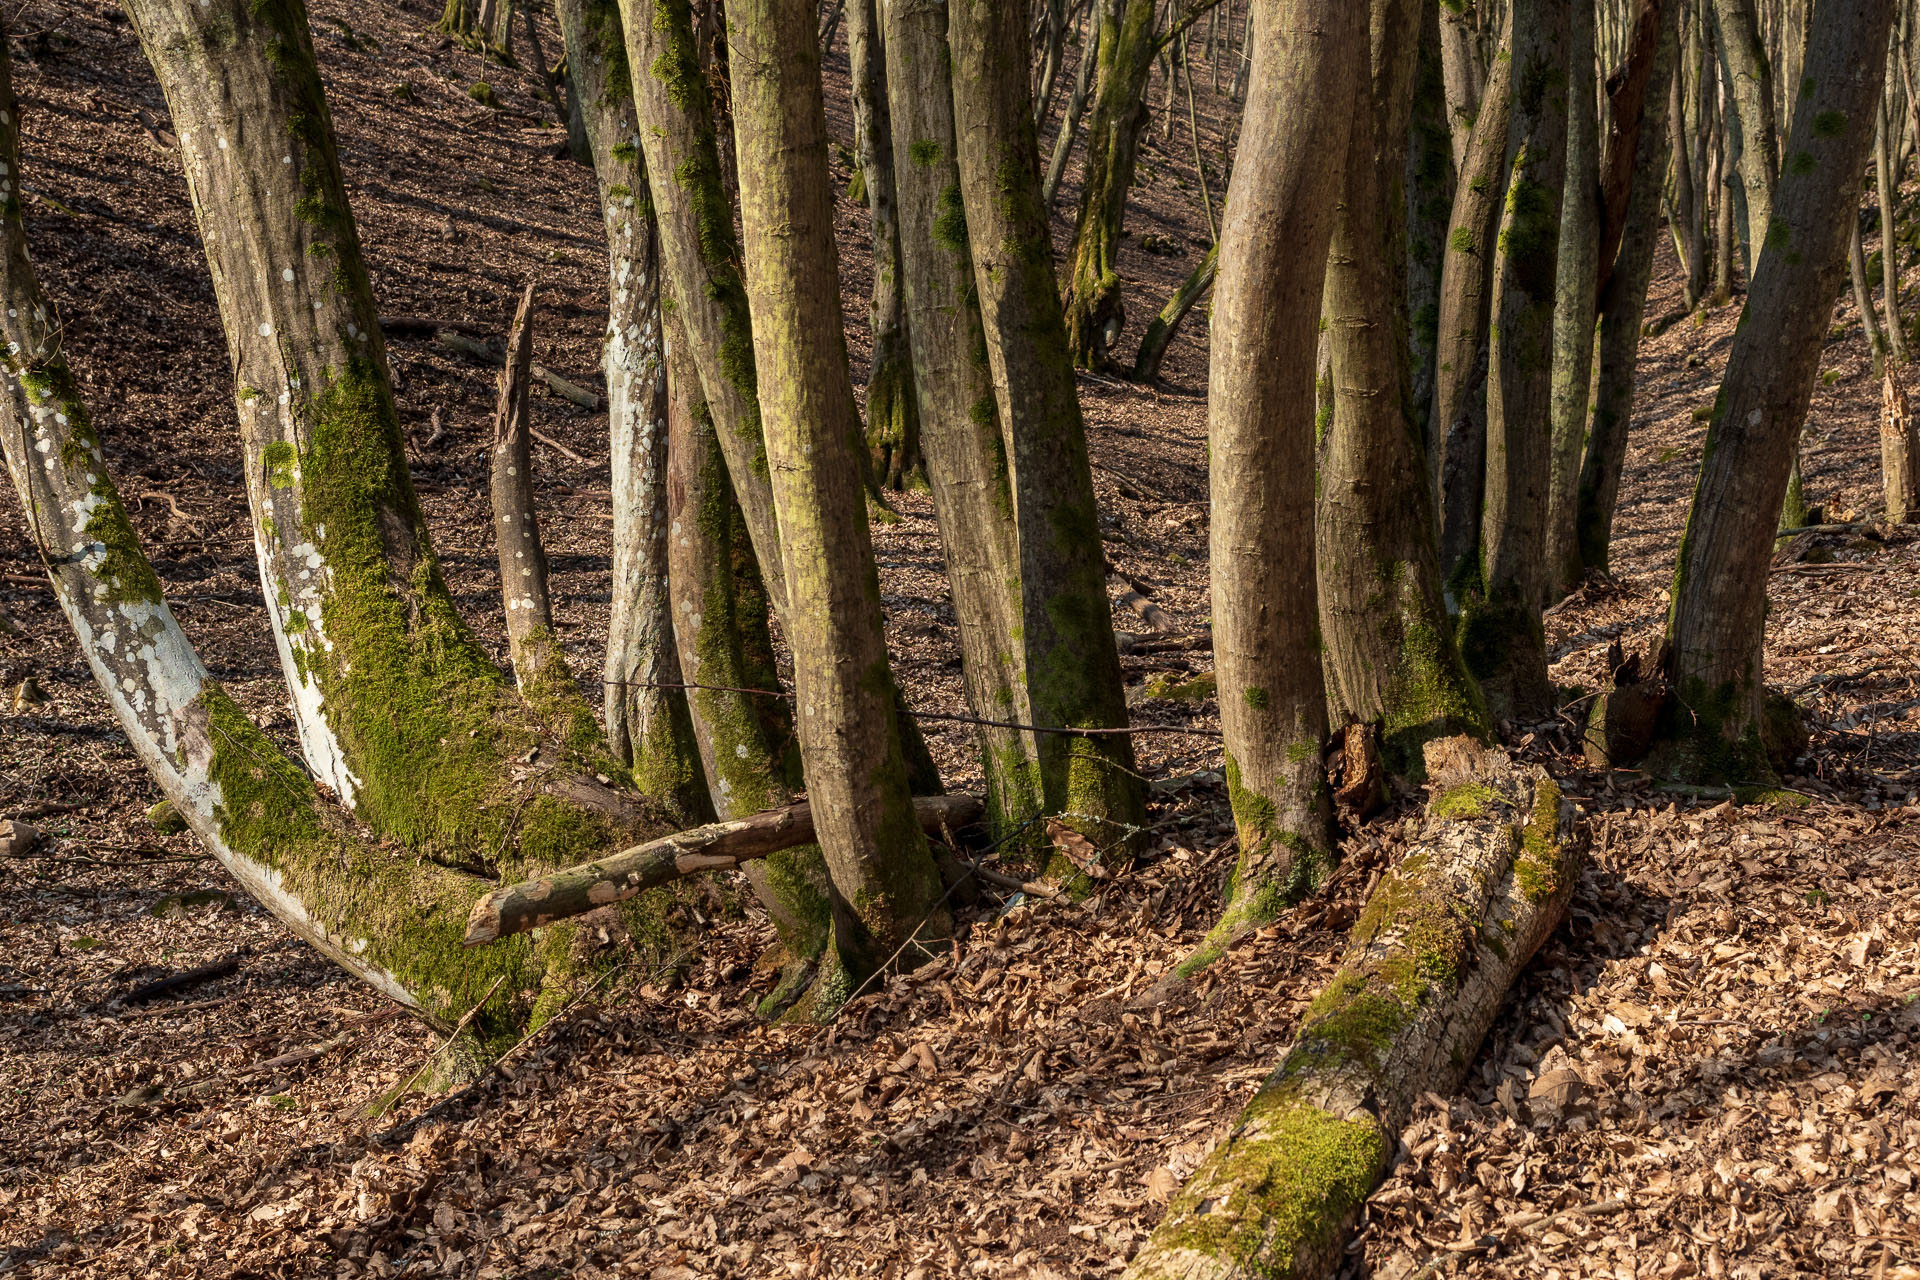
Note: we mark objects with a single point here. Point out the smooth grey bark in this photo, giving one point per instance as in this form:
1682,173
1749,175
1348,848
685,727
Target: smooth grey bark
516,524
1719,589
1575,309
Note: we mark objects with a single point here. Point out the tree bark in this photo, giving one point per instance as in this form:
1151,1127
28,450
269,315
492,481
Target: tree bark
1719,587
1463,86
1073,669
1500,630
1458,424
1863,300
961,433
1623,294
1885,188
1099,14
1390,657
1309,59
516,526
647,726
1429,198
718,846
1426,971
1634,94
1096,309
1899,447
1160,334
1575,309
893,418
886,888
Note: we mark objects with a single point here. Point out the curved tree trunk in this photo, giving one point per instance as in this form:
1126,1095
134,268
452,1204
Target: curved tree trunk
1574,312
1390,656
1073,668
648,726
1623,294
961,433
1500,633
1096,312
887,890
1308,59
1426,971
1719,585
1457,427
893,418
1160,333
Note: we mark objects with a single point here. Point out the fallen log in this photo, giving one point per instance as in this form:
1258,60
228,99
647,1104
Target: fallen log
1427,967
718,846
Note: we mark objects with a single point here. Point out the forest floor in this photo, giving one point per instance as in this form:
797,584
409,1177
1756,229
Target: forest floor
1709,1071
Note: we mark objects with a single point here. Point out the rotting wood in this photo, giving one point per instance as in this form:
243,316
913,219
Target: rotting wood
1426,970
718,846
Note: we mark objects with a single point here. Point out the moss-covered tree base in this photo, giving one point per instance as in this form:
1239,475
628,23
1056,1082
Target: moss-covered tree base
1426,970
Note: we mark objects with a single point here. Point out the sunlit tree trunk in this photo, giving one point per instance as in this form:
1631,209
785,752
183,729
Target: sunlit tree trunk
1099,14
1751,83
886,888
516,524
1574,314
1720,582
1073,669
1429,188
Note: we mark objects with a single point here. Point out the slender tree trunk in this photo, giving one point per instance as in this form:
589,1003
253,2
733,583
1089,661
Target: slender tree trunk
516,525
1073,669
1160,333
1574,313
1719,586
1885,193
886,888
1500,633
1099,14
1623,301
1308,60
1863,300
960,421
1680,215
1463,85
1430,194
1096,310
1899,448
1725,238
1457,426
1057,27
1750,80
647,725
893,418
1390,656
1699,126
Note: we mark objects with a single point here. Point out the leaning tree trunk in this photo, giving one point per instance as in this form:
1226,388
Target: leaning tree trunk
1096,310
1863,302
1390,655
1426,971
401,714
1308,59
719,607
1500,631
961,435
516,525
1073,668
1457,426
886,888
1719,588
1642,157
893,419
1750,78
647,723
1574,311
1430,191
1099,14
1160,333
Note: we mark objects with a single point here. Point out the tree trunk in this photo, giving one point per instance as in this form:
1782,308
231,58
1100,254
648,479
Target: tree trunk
1458,424
1636,102
516,526
719,846
719,607
1574,314
893,419
1750,80
1073,668
1500,630
1863,299
1699,124
1099,14
1899,447
1056,48
1096,310
1426,971
1623,294
1309,60
1462,77
886,888
1390,657
1727,183
1429,197
1719,588
1159,335
961,432
1885,190
1680,216
648,726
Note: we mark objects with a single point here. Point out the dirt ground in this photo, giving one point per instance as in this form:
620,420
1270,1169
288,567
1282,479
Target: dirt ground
1709,1071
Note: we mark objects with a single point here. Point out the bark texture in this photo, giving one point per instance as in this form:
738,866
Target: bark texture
1073,668
1750,82
887,889
1427,968
1160,332
1390,656
1899,447
1719,586
1429,201
1309,61
1575,308
961,432
516,527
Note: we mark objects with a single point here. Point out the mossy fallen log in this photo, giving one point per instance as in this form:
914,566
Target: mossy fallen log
718,846
1426,970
